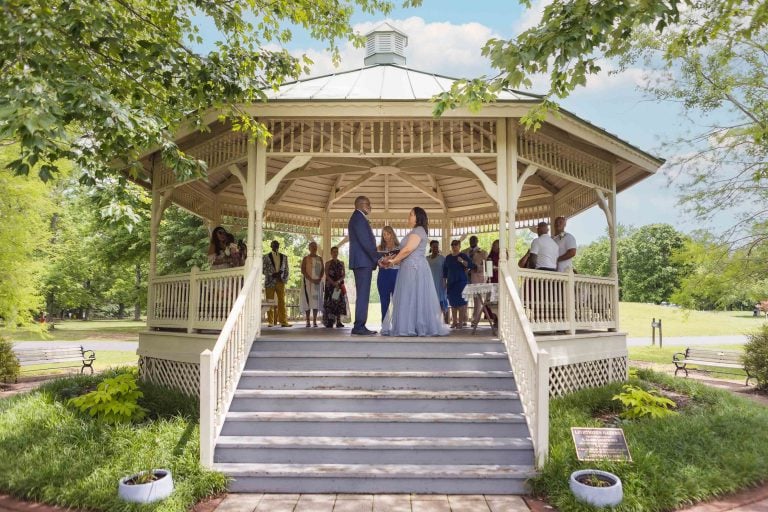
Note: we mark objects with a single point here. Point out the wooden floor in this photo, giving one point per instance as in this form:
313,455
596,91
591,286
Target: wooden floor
299,331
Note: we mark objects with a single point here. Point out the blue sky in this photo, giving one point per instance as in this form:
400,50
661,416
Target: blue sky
445,37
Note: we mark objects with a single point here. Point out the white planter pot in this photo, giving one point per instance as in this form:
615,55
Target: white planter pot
149,492
597,496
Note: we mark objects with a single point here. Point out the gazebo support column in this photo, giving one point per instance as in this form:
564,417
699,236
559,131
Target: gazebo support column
502,183
608,205
445,245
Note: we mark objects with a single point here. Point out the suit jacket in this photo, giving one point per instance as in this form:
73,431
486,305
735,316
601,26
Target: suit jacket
362,244
268,269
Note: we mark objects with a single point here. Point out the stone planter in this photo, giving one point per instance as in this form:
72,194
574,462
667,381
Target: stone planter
149,492
608,496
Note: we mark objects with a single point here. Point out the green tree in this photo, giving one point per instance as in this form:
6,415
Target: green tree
648,270
95,83
573,36
25,209
722,277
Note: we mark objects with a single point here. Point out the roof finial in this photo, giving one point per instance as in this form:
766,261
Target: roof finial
385,45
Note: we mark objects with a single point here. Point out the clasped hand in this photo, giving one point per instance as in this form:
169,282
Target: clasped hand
385,262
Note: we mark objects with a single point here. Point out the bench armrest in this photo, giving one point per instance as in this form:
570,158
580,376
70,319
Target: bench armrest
90,357
676,359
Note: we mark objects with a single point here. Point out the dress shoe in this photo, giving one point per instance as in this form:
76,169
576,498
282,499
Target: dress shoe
286,325
363,332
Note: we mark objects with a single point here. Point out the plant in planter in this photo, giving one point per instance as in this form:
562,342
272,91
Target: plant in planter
597,488
114,401
146,486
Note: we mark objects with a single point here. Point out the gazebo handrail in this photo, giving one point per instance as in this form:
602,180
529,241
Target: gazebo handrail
220,368
530,364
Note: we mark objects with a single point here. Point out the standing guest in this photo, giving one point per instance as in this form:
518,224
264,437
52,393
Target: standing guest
543,253
415,308
455,272
221,252
493,257
566,244
363,260
436,261
275,265
335,302
476,274
387,277
311,295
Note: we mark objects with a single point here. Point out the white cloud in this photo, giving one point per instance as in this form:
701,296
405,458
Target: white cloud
531,17
441,47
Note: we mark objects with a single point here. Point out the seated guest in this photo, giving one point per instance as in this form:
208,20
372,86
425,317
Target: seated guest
543,253
455,272
493,257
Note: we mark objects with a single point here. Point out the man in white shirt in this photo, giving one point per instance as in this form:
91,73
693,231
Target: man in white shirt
566,244
543,253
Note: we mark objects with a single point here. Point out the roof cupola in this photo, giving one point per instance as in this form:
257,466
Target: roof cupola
385,45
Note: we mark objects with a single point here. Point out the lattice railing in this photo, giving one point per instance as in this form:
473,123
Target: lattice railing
529,364
549,153
382,136
564,301
568,378
221,367
222,150
198,300
178,375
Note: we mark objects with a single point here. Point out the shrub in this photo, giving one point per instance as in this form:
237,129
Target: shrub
9,363
639,403
114,401
756,356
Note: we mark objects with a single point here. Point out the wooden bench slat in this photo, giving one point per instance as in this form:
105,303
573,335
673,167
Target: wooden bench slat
56,355
731,359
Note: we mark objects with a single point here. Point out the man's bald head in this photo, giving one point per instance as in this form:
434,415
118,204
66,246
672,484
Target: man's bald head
361,201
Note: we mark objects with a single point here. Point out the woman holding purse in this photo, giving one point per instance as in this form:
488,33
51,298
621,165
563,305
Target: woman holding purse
335,299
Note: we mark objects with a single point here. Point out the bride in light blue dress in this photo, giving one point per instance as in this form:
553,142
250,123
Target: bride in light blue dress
415,309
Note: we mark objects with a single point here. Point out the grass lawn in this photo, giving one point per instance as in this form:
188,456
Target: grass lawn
105,359
77,330
635,319
51,453
717,444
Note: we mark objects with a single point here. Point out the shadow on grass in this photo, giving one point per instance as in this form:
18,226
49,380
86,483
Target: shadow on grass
51,453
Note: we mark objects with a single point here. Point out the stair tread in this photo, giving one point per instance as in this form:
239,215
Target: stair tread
363,355
354,340
303,442
410,417
372,471
353,373
402,394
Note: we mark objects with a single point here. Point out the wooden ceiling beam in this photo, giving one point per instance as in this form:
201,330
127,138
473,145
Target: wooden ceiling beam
352,186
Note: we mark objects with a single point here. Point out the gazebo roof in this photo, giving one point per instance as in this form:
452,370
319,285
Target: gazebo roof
382,82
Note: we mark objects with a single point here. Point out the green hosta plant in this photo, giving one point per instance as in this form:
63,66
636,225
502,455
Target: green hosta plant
9,363
115,400
639,403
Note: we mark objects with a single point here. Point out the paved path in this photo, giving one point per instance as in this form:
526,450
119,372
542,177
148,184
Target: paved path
685,341
121,346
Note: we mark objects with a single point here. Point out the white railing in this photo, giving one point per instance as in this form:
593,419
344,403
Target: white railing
529,364
221,367
198,300
564,301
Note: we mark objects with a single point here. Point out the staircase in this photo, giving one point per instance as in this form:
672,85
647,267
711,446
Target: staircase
376,415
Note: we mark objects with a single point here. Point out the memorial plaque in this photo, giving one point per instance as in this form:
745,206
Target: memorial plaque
600,444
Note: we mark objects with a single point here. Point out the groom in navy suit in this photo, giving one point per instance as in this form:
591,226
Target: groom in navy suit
363,260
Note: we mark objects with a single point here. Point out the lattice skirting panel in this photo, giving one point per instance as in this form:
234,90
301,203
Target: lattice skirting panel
184,377
568,378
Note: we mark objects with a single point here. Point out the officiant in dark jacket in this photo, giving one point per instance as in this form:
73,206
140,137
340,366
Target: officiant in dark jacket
363,260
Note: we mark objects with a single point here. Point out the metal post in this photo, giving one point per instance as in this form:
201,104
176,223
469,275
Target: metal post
661,342
653,332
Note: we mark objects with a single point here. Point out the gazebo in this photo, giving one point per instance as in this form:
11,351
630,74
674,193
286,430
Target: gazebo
371,131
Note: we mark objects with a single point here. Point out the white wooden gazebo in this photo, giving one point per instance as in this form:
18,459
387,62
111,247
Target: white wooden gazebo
370,131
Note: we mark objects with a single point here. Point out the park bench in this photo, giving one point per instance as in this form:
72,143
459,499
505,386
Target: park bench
730,359
55,356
